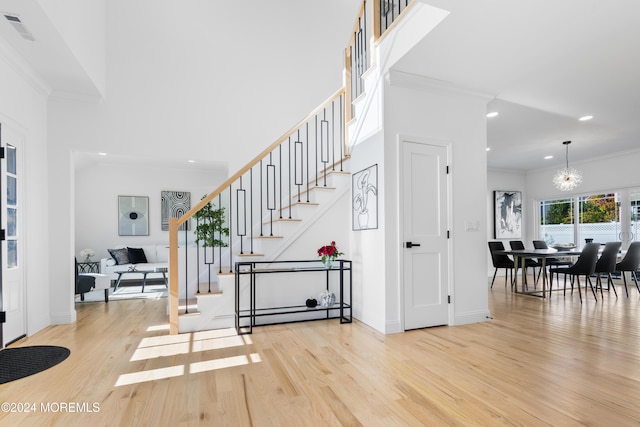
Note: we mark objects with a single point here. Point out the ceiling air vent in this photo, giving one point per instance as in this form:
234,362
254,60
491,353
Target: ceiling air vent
19,26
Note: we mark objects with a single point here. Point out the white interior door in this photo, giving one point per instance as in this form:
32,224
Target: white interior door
424,193
13,283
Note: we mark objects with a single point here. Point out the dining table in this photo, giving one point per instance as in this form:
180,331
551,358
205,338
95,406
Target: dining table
519,259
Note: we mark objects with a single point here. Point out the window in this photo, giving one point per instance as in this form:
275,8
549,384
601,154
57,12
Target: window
600,218
12,205
556,221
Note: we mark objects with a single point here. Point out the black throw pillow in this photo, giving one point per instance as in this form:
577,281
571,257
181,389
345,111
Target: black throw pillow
121,256
137,256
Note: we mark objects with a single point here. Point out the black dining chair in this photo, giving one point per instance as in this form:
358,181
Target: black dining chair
584,266
541,244
607,264
630,263
518,245
500,261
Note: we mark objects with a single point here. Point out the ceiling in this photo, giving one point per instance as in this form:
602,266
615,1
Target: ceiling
547,63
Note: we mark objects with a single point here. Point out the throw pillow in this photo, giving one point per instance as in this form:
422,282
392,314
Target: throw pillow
137,256
121,256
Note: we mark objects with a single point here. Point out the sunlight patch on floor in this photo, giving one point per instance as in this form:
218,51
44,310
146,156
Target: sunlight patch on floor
150,375
172,345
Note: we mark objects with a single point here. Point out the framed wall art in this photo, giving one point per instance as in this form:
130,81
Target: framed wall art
133,216
174,204
365,199
507,209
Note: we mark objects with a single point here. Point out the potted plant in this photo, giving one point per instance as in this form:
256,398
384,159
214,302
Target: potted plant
210,226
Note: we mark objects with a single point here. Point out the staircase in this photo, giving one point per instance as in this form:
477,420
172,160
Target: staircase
281,204
269,205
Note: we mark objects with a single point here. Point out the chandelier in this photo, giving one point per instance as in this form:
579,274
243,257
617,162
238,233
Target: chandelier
568,178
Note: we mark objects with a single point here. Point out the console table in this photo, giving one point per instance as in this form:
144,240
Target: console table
336,275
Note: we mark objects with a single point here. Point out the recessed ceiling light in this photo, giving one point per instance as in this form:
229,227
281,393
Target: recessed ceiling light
102,154
191,161
488,148
492,114
585,118
548,157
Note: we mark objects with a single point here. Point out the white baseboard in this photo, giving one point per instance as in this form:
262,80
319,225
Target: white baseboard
63,318
471,317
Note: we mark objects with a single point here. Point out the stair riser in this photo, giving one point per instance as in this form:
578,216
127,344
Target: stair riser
281,228
318,195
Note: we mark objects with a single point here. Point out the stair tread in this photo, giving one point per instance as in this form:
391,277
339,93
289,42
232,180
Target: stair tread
247,255
209,294
283,220
301,203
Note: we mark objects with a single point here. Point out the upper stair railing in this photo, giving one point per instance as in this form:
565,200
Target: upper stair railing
389,11
357,54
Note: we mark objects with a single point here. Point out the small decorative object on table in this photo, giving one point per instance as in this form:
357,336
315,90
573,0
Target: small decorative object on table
311,302
86,254
326,298
329,253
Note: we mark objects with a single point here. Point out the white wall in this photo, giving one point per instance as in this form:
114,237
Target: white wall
369,249
414,107
423,109
23,109
99,185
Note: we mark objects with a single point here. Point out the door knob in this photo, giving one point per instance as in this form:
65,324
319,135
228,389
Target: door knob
411,244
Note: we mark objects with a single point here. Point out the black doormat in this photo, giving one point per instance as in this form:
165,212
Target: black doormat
20,362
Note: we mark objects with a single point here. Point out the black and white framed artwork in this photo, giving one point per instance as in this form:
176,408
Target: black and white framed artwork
174,204
507,207
133,216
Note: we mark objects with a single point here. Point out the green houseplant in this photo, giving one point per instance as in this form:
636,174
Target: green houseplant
210,226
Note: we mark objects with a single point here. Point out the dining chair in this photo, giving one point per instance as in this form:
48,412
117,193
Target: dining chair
584,266
541,244
630,263
606,264
500,261
518,245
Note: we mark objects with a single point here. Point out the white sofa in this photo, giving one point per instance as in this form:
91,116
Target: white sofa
157,257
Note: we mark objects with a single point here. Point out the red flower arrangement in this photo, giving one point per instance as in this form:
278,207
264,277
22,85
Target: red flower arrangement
330,252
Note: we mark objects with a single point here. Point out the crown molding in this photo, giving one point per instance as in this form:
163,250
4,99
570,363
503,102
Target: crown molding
75,97
23,69
415,81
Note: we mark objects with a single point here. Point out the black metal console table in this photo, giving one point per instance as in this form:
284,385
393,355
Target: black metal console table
343,304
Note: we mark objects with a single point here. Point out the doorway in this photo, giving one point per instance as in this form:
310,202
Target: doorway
12,285
424,194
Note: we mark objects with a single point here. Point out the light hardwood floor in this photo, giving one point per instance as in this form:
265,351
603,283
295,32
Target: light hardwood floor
536,363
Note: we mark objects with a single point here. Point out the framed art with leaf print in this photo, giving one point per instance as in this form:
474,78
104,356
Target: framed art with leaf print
365,199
